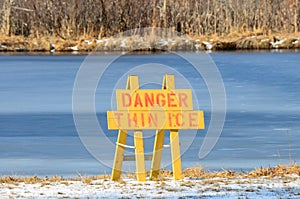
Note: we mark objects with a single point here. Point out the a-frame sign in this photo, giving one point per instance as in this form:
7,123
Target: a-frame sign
160,110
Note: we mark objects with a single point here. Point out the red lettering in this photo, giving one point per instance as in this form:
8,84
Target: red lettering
160,101
138,101
149,100
178,116
170,119
192,119
126,103
142,117
183,99
132,119
118,115
153,119
171,99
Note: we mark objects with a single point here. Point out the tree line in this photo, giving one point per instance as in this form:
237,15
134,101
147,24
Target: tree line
100,18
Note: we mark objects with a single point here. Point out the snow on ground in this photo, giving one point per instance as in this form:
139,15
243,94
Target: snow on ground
263,187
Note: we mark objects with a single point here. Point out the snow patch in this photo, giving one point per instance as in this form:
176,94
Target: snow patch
129,188
277,43
88,42
265,40
163,42
99,41
208,45
123,43
74,48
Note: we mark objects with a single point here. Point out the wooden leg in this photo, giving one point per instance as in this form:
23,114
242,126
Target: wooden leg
157,154
175,151
139,156
119,156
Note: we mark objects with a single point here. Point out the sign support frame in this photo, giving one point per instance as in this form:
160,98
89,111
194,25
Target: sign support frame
170,109
132,84
168,83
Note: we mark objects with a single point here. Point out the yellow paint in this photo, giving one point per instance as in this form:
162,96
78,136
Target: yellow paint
141,120
180,99
168,82
157,154
132,84
119,156
175,152
166,109
139,156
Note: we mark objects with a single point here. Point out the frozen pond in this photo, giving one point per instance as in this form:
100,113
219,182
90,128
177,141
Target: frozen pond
38,135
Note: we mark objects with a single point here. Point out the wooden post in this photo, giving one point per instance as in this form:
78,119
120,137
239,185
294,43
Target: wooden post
136,112
132,84
139,156
168,83
157,153
175,152
119,155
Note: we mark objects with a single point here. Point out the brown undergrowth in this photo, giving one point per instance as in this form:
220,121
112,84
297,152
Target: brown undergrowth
278,171
195,172
232,41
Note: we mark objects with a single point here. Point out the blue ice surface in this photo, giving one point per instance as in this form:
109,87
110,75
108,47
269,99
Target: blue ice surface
38,134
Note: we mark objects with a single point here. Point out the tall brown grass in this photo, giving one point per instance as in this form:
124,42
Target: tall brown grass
98,18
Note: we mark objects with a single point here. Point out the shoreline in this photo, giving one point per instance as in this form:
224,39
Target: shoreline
137,43
86,53
280,181
280,170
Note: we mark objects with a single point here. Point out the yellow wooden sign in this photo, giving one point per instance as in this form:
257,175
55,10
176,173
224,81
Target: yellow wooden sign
142,120
166,109
154,99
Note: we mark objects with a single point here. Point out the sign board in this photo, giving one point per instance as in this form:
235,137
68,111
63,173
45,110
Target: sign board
142,120
154,99
154,109
160,110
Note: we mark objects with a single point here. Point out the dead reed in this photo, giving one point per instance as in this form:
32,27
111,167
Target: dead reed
195,172
73,19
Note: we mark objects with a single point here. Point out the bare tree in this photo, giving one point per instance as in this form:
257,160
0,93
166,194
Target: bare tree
296,16
5,19
99,18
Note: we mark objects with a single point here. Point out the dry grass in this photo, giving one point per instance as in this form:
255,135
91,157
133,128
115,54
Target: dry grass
278,171
232,41
199,172
196,172
250,40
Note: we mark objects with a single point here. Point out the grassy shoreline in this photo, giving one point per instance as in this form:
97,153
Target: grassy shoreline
282,181
233,41
190,173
